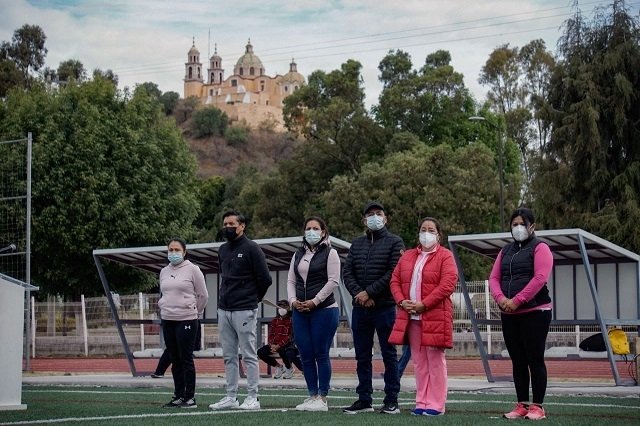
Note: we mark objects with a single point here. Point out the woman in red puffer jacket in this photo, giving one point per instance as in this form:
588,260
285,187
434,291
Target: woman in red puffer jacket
422,284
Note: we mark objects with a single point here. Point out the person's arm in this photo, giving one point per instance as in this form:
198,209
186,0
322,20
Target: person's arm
333,277
381,284
261,271
348,274
291,282
396,285
495,279
447,284
200,286
542,266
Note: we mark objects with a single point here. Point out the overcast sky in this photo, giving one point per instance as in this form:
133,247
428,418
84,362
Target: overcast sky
148,40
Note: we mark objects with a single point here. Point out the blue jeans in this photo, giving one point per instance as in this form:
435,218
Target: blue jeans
364,322
313,333
404,359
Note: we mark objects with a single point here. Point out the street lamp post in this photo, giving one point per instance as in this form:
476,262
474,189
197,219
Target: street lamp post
500,167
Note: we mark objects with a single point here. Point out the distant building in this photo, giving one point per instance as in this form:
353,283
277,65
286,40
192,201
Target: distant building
248,94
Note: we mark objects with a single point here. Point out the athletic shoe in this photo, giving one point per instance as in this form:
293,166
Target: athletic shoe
390,408
418,412
431,412
536,412
189,403
174,403
279,371
157,376
225,403
518,412
313,404
288,373
358,407
250,403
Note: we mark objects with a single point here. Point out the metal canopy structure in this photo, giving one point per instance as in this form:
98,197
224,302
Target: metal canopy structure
583,264
278,253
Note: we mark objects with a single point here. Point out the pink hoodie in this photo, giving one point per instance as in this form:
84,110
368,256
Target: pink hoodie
184,292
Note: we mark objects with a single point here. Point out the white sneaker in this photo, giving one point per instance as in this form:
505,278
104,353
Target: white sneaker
250,403
224,403
305,404
318,404
279,371
288,373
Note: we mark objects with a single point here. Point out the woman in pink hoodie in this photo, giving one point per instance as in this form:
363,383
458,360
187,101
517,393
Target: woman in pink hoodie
184,296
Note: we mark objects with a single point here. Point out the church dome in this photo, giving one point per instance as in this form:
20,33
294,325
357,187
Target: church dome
249,64
293,76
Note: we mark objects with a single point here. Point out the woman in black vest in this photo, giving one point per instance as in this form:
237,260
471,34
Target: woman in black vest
313,275
518,284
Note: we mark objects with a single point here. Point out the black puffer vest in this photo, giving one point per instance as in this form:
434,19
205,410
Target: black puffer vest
517,271
316,278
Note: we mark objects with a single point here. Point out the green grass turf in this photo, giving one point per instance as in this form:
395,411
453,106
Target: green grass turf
74,405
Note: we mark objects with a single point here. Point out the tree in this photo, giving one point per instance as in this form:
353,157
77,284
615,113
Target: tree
71,70
106,75
169,101
109,171
151,89
589,175
26,50
209,121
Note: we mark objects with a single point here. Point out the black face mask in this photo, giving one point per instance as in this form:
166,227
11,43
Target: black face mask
230,233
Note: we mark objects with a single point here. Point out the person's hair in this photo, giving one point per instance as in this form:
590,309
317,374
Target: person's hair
524,213
240,216
180,241
323,227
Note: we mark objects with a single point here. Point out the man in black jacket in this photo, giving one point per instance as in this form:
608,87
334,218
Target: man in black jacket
245,279
366,275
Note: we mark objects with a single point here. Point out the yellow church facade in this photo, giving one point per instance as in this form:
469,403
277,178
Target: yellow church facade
248,95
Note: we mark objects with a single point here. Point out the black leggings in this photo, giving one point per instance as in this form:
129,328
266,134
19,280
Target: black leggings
288,354
180,338
525,336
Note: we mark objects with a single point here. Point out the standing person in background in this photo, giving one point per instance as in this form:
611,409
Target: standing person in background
367,272
313,275
165,359
184,297
245,279
518,284
404,359
422,285
280,343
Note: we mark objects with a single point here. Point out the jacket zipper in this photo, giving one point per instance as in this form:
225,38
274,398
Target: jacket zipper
510,272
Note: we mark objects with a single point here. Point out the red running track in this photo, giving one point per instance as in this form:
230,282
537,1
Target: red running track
557,368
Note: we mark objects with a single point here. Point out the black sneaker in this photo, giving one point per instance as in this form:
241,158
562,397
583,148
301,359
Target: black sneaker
390,408
157,376
174,403
189,403
358,407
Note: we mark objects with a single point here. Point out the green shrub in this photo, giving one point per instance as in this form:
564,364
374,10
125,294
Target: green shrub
236,135
209,122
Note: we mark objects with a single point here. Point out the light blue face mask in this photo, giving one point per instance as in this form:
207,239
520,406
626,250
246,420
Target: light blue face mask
375,222
312,236
175,258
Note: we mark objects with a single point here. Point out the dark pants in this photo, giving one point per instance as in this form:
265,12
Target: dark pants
180,338
288,354
525,336
364,322
163,363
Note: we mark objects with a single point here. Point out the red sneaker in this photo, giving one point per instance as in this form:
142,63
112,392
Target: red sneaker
518,412
536,412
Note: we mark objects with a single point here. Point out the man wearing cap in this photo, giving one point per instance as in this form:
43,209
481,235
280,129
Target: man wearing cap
366,275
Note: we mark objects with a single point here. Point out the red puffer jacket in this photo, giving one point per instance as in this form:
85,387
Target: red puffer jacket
439,277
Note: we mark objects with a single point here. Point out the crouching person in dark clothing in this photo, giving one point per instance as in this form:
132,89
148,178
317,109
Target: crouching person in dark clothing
280,343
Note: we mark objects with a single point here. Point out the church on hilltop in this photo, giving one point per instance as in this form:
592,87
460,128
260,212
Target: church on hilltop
249,94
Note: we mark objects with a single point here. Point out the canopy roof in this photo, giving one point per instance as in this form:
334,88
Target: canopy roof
563,243
278,252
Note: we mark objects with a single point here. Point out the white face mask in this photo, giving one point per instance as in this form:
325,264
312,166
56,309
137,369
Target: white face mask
312,236
427,239
282,312
375,222
520,233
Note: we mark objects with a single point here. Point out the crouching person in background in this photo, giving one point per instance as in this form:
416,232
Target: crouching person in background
280,343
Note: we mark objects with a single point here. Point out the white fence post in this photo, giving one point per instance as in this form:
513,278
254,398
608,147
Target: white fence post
577,336
85,333
141,306
487,308
33,327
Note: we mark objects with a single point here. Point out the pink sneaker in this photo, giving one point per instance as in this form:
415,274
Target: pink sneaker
536,412
518,412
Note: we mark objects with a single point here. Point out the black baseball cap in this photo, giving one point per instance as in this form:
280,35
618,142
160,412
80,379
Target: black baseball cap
372,205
